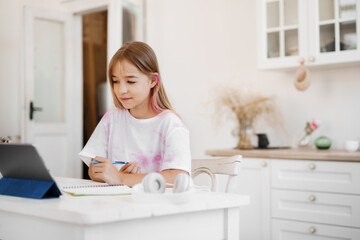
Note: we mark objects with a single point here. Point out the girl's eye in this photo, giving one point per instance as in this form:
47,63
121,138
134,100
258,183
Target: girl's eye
131,82
115,81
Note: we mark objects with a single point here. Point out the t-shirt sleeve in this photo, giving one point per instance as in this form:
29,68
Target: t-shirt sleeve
177,153
97,144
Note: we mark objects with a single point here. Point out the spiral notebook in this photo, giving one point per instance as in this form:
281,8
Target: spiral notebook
82,187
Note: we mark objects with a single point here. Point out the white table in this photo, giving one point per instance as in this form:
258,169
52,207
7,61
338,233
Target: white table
207,215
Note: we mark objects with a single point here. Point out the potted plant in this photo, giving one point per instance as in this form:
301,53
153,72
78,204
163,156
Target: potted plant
246,107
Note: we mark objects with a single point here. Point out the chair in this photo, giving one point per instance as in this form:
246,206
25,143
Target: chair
228,166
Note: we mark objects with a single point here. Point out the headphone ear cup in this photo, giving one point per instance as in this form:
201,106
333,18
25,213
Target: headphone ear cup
154,183
182,183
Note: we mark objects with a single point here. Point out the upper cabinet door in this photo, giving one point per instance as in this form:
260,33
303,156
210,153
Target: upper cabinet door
281,31
317,32
335,32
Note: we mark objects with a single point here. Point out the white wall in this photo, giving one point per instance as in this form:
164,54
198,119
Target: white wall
9,70
206,42
200,44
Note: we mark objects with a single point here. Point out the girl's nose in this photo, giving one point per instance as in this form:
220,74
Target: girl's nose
122,88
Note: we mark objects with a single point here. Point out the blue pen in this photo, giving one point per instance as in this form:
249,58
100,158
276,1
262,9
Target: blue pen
113,162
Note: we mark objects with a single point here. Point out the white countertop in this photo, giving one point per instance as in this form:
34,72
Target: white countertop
87,210
293,153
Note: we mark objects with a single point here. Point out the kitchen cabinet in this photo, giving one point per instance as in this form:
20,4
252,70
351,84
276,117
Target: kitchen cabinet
285,230
316,199
299,194
254,180
312,199
315,32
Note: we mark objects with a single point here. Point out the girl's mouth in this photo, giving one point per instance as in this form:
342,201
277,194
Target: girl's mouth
125,99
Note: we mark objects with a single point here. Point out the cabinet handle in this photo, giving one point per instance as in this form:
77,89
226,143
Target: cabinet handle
301,60
311,59
312,198
263,164
312,229
312,166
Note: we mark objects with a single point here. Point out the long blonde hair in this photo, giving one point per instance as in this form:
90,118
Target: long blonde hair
143,57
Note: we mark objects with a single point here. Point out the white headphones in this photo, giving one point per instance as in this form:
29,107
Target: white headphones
152,189
155,183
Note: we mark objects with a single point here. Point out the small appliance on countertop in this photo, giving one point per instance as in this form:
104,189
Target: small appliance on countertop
263,143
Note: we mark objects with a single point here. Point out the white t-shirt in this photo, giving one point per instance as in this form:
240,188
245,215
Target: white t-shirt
157,143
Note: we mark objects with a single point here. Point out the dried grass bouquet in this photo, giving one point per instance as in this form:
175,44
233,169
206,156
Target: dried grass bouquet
246,107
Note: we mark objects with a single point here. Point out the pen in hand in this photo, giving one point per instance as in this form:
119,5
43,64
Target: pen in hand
113,162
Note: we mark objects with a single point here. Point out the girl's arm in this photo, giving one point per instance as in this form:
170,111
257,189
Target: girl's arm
129,175
105,171
130,179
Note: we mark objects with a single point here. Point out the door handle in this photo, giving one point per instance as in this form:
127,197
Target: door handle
33,109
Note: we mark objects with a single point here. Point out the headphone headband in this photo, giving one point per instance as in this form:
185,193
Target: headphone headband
155,183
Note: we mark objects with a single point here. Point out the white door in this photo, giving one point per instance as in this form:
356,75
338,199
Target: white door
51,116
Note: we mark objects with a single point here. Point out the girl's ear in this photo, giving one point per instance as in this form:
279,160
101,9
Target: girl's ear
155,79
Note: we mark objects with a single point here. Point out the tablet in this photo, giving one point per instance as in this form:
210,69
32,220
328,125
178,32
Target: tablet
22,161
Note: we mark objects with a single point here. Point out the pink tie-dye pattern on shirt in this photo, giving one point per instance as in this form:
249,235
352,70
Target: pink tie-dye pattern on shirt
157,160
143,160
162,139
152,163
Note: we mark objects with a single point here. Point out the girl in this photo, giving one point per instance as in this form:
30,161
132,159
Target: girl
142,129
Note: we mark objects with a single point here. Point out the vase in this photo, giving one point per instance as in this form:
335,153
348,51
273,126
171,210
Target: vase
304,141
323,142
245,135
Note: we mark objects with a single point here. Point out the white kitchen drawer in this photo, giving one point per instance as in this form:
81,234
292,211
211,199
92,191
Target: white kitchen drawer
338,177
292,230
329,208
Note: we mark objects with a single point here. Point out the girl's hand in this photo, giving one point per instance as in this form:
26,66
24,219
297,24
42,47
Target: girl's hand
91,172
131,168
104,171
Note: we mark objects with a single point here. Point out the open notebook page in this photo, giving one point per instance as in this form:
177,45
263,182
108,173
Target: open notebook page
83,187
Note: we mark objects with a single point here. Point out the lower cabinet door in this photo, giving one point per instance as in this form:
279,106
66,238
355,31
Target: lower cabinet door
325,208
253,180
292,230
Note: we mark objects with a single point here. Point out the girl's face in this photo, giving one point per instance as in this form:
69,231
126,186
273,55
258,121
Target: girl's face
132,88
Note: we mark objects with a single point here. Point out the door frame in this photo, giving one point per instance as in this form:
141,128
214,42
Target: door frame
114,30
114,35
